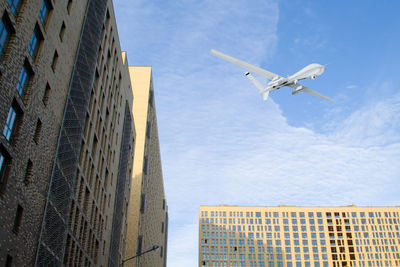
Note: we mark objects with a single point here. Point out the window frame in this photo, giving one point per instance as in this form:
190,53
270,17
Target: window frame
10,123
14,6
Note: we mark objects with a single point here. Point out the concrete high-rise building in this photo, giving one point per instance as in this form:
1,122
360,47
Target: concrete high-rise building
68,136
148,212
299,236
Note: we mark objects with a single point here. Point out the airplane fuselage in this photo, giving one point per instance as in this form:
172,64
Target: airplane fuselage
311,71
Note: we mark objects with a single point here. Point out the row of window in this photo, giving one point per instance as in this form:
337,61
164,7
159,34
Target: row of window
242,263
299,214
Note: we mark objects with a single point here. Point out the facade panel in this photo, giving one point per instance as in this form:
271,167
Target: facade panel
299,236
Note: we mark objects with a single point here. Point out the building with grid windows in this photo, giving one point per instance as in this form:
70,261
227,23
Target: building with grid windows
299,236
68,134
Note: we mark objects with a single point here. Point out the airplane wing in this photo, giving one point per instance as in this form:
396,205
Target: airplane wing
240,63
308,91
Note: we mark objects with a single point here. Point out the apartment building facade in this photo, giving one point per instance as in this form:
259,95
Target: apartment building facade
148,212
68,136
299,236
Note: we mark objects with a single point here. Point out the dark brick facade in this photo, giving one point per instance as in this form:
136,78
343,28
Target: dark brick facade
59,147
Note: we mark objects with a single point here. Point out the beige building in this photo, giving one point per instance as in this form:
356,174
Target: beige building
299,236
148,212
68,136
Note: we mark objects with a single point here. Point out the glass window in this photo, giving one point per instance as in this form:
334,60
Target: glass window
9,123
293,214
44,12
3,35
23,76
311,214
258,214
33,43
1,162
276,214
14,5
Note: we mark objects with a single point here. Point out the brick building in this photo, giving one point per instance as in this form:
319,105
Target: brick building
67,148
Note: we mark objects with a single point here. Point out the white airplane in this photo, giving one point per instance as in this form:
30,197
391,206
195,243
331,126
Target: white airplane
310,71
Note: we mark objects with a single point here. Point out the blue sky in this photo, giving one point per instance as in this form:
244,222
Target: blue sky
222,144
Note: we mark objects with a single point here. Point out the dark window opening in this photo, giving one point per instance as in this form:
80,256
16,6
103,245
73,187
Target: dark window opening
8,261
28,172
38,129
62,31
46,95
55,60
18,219
35,42
5,162
13,123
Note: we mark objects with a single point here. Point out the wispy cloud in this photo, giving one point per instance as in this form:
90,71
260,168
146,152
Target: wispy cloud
221,143
351,86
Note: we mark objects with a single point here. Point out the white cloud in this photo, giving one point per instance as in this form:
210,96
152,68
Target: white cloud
351,86
221,144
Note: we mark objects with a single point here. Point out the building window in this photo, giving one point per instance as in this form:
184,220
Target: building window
18,219
38,129
55,60
148,131
5,32
12,115
140,245
23,80
5,161
28,172
35,41
13,5
46,95
3,35
62,31
44,12
142,203
69,5
9,261
146,165
13,122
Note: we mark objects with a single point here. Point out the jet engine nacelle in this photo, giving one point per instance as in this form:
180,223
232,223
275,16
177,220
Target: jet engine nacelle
313,77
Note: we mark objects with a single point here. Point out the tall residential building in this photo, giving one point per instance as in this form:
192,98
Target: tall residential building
299,236
148,212
68,136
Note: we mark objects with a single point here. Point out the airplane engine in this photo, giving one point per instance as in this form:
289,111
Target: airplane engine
313,77
295,81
